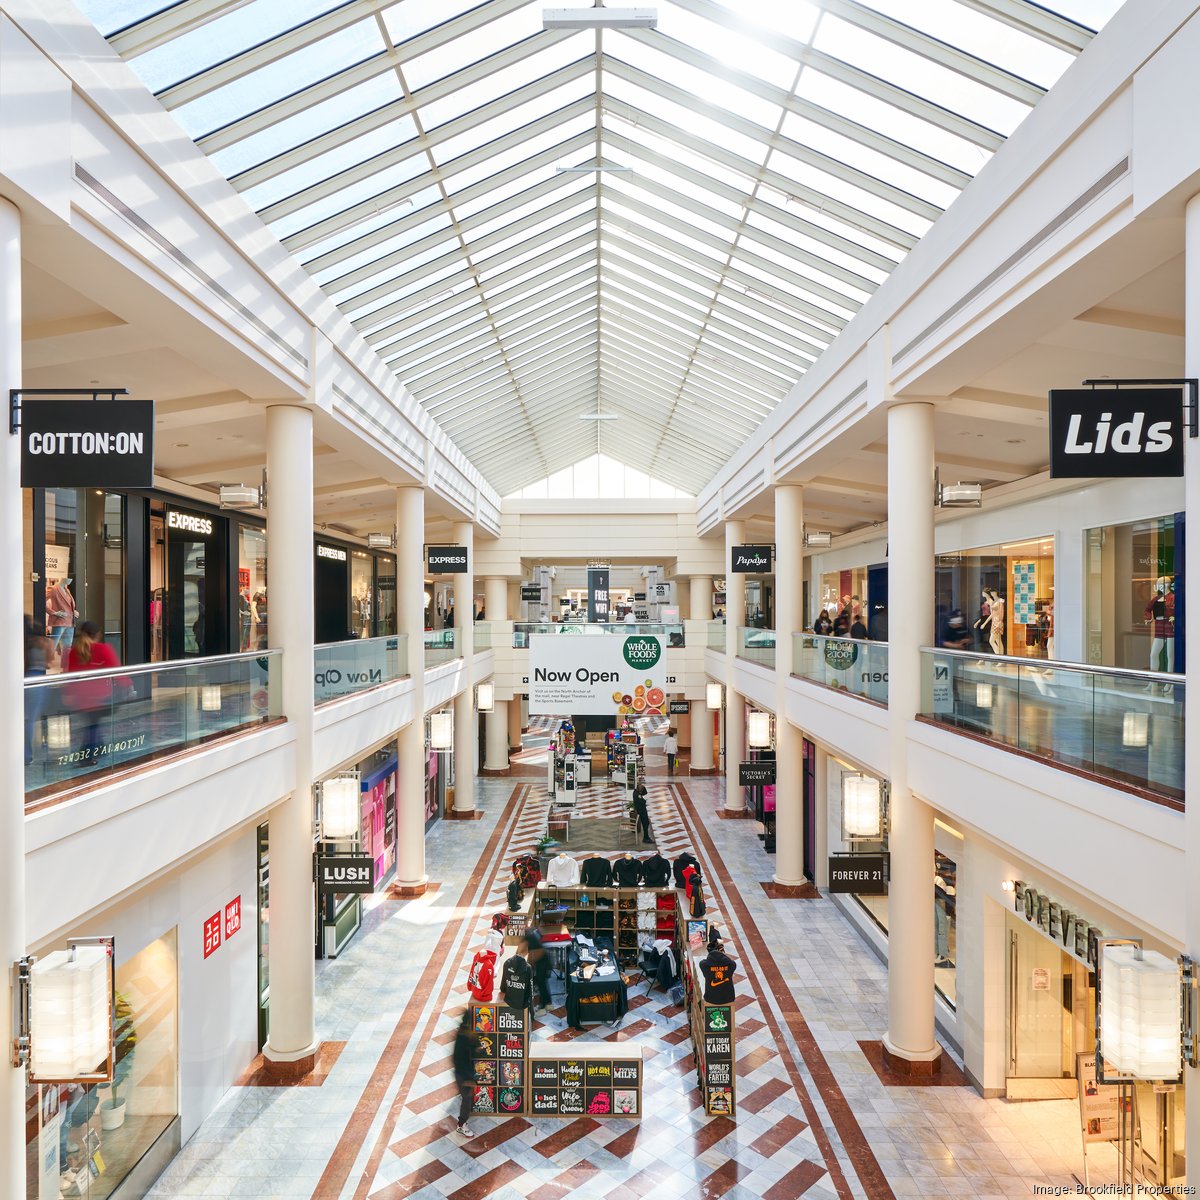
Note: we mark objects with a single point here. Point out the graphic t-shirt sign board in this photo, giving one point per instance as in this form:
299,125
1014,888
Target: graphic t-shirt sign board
598,674
501,1070
596,1087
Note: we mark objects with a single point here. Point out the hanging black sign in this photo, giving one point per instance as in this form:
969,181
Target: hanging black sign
751,559
597,598
865,874
1116,433
756,774
678,708
446,560
87,443
531,591
346,873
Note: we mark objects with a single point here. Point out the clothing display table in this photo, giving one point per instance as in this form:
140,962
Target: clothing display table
601,998
598,1080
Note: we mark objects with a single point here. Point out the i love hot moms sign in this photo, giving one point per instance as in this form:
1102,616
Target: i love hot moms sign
605,673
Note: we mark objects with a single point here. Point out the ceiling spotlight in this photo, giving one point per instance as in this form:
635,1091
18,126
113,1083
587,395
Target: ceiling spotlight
599,18
381,541
957,495
240,495
818,538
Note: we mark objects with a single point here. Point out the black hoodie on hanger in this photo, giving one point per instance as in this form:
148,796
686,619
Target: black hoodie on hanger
656,871
596,872
684,860
627,871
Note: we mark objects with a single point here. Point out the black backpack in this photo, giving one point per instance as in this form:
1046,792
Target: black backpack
697,904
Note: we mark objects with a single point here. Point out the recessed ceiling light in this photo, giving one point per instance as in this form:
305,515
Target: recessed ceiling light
181,445
1015,441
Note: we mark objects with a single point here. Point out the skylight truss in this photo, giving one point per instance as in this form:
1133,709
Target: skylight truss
778,159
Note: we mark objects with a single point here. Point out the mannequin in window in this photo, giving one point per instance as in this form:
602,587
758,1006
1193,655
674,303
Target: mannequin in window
992,620
1160,613
61,613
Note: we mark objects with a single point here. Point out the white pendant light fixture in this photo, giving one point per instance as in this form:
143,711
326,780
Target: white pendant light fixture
340,808
862,808
485,697
58,732
714,695
1135,730
441,731
1140,1027
70,1029
983,695
210,697
758,730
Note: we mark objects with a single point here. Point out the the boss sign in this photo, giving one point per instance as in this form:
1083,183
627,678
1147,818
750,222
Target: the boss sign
1110,433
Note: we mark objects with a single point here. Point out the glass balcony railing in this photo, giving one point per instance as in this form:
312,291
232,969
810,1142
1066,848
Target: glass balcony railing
344,668
757,646
483,635
439,646
848,664
1126,726
83,726
716,635
672,634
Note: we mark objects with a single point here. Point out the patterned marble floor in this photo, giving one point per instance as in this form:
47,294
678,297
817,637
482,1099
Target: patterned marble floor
813,1119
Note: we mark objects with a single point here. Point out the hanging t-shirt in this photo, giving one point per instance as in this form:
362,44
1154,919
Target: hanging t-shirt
481,977
563,871
596,872
717,969
515,982
678,866
656,871
627,871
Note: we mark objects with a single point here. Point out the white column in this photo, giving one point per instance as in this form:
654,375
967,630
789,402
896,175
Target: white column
700,598
465,730
495,608
702,736
12,704
292,1032
910,1035
789,747
1191,485
735,706
410,745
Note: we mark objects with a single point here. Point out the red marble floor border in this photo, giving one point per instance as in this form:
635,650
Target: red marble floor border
341,1162
949,1073
866,1165
260,1073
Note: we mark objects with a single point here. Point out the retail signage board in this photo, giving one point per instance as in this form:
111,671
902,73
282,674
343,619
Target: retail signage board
446,560
1068,929
87,443
597,594
601,674
345,873
531,592
862,874
1099,1103
679,708
756,774
751,560
594,1087
212,934
502,1063
1116,433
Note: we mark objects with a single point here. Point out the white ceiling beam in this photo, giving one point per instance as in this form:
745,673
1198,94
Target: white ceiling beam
168,24
1050,27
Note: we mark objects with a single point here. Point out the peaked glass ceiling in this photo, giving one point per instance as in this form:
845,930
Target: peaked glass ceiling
764,164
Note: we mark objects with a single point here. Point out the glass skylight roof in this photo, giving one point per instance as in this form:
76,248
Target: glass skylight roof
766,164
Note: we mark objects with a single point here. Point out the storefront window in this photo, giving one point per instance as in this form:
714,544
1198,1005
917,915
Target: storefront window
252,587
84,563
86,1139
362,594
1133,601
842,597
998,599
385,596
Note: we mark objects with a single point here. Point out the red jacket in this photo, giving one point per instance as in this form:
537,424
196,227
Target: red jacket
482,976
86,693
687,873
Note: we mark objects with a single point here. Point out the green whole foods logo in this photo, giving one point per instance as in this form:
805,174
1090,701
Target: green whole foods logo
840,655
641,653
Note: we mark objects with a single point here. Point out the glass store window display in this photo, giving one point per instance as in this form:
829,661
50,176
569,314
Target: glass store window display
252,587
83,1140
1134,594
361,594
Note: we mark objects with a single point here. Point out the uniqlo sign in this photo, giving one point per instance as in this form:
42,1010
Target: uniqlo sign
212,934
233,917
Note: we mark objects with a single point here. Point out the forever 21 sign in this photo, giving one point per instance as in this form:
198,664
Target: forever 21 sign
1116,433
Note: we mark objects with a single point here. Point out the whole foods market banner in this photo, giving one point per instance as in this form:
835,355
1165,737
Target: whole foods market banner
597,674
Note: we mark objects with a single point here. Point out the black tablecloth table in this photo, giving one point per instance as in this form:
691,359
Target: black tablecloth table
601,998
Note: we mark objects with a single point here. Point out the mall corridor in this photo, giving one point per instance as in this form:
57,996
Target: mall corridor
814,1119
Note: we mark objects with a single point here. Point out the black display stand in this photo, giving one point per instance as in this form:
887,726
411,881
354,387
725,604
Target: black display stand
502,1068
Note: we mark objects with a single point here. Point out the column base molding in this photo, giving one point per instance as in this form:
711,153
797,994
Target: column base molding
281,1072
735,814
703,770
494,771
470,815
920,1067
791,891
408,891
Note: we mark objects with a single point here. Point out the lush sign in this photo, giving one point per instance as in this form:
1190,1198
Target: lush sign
600,674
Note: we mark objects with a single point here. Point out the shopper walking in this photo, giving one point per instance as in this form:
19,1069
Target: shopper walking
93,698
466,1051
40,655
642,812
539,960
670,749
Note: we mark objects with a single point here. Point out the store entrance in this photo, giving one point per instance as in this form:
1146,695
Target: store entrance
1051,1015
188,585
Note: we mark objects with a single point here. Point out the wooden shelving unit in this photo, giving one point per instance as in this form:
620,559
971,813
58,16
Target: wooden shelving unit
612,913
714,1037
